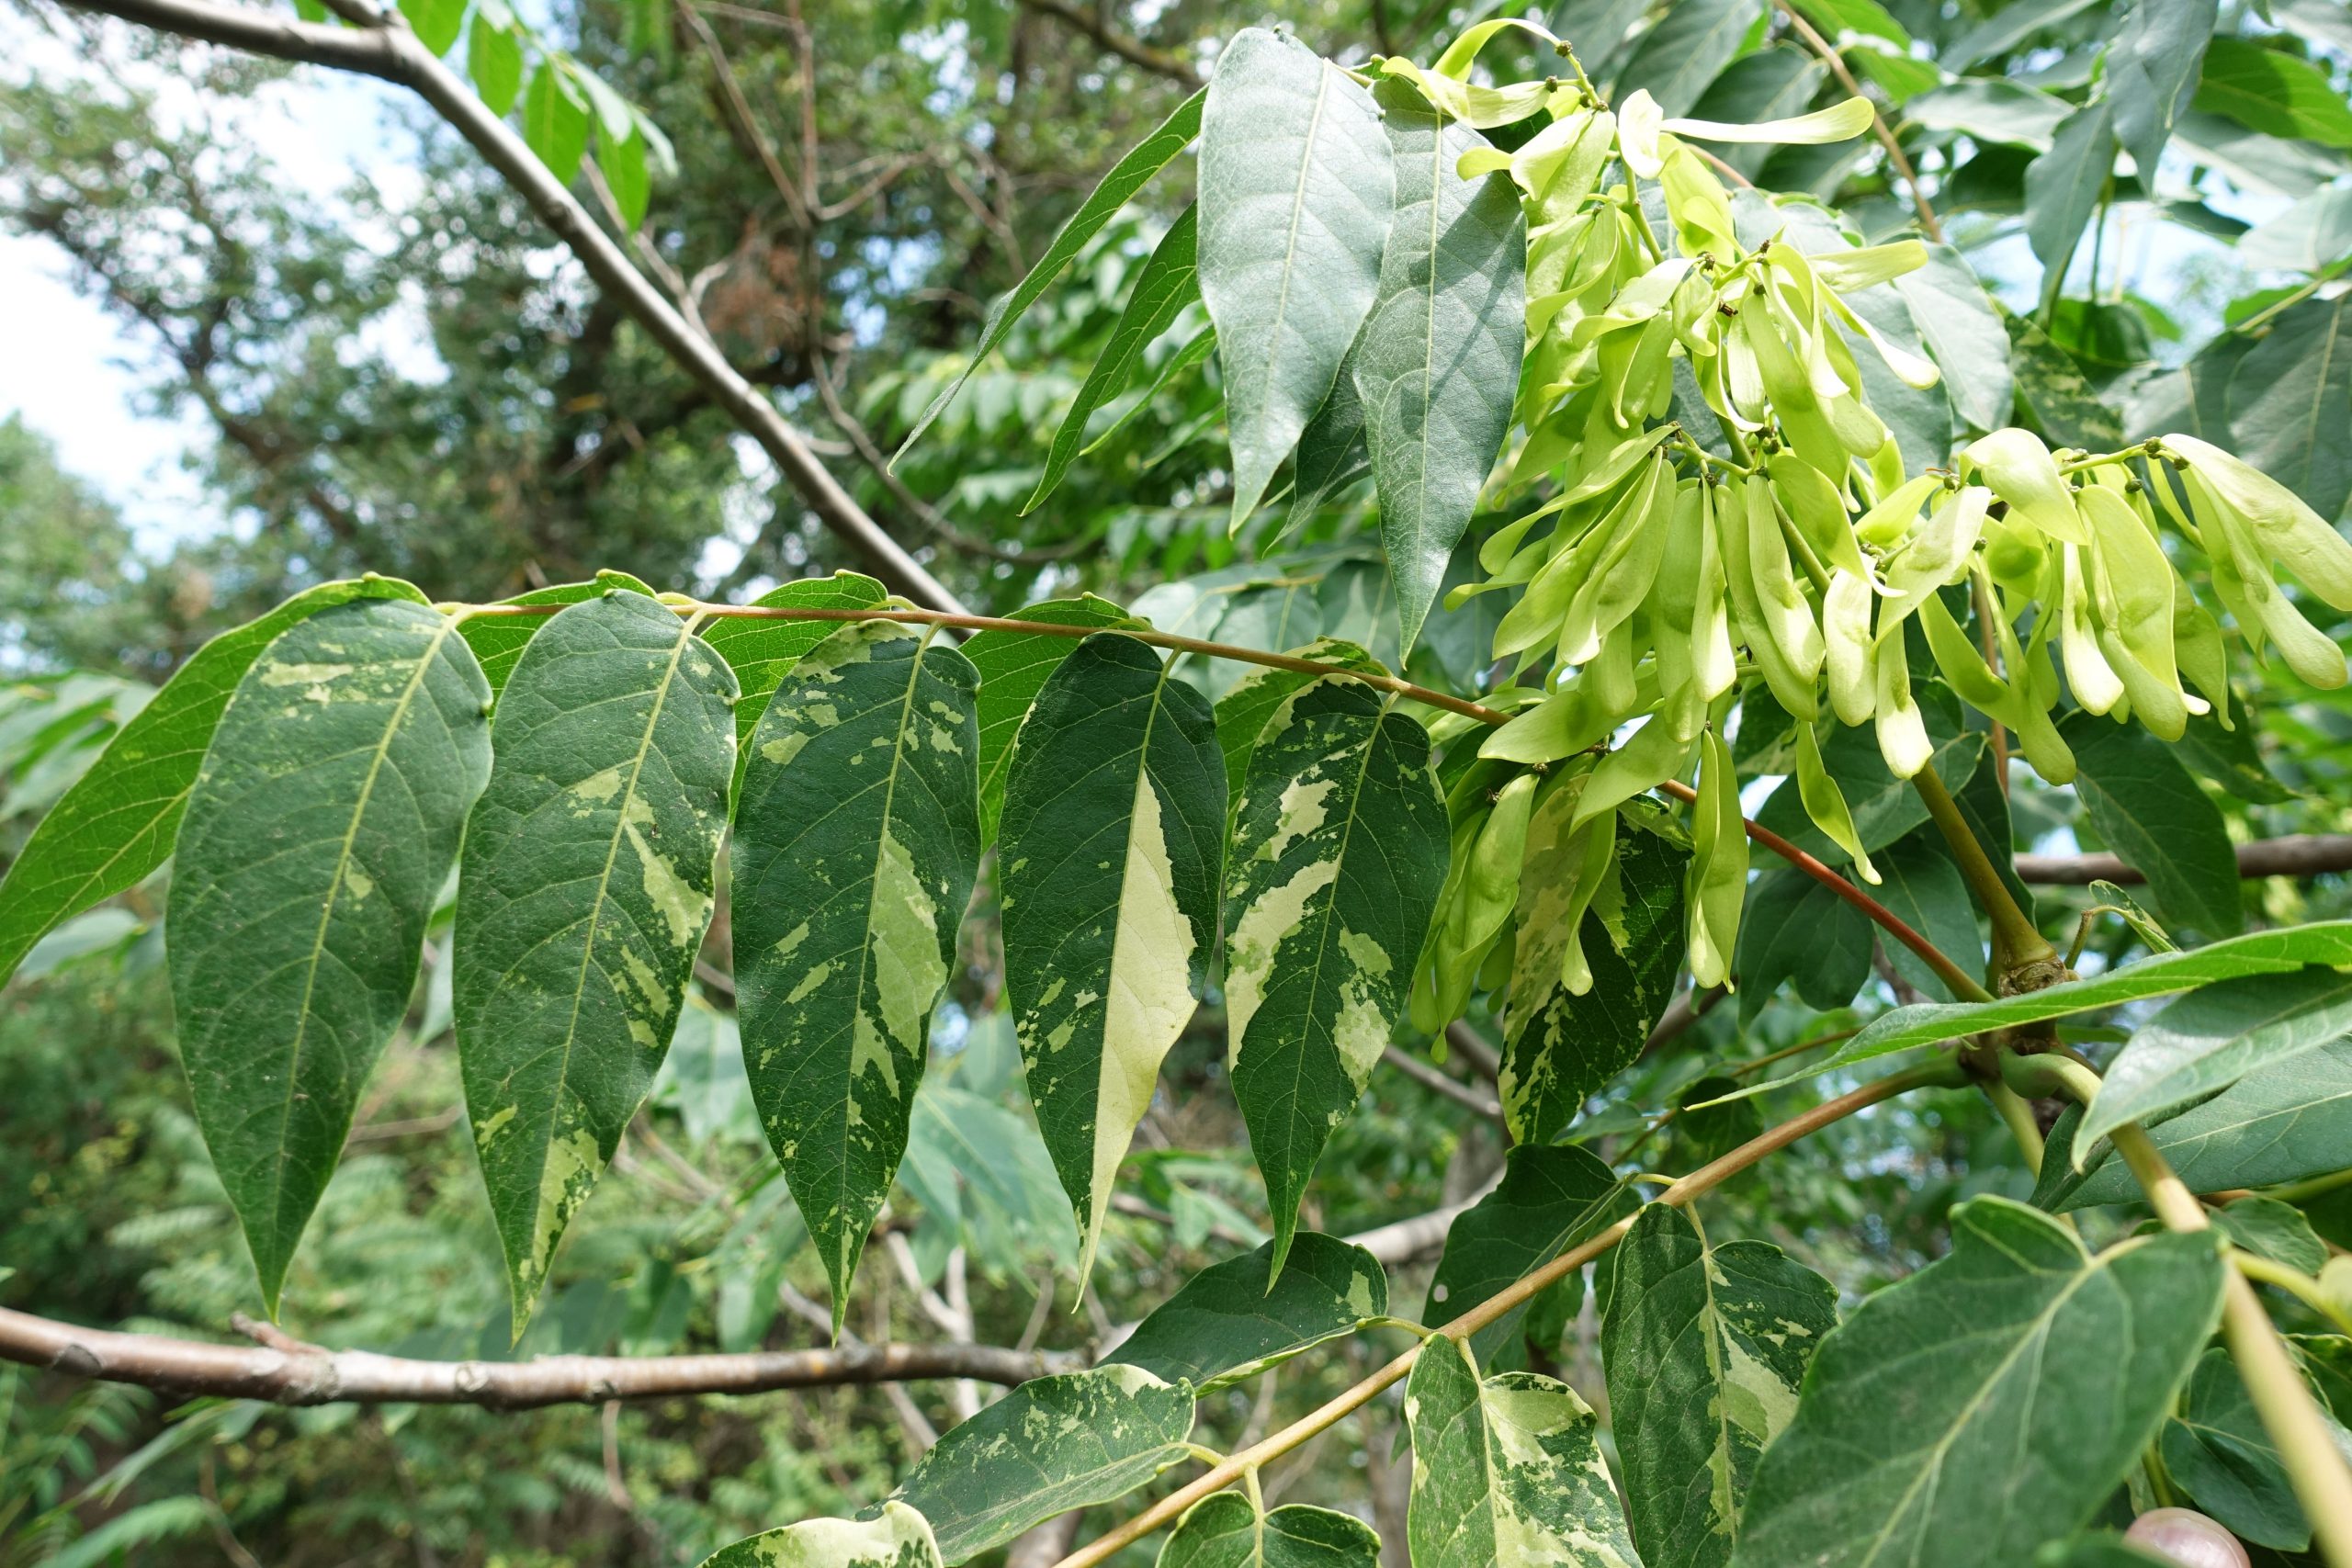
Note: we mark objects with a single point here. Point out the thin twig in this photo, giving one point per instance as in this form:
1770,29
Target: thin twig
1436,1082
1829,55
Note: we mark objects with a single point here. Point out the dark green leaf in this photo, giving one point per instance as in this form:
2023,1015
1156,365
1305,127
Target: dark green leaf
1013,667
2054,394
2151,812
2231,759
1987,1403
1681,56
1229,1322
1794,928
117,823
1128,177
583,897
2003,30
2218,1451
1705,1347
1438,363
1507,1470
1166,284
1919,881
1885,808
2210,1038
1296,189
1339,850
2290,400
1109,865
856,842
2064,185
1558,1047
1991,108
2283,1124
895,1537
1243,711
1332,452
318,836
1051,1445
498,640
1551,1198
1222,1530
2100,1551
2273,92
2268,1228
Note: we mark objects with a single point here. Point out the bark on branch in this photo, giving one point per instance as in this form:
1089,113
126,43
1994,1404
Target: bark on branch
2294,854
1087,20
286,1371
384,47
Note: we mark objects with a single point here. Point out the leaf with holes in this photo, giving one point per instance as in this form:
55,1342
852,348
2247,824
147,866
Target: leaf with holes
318,835
582,896
1111,854
857,838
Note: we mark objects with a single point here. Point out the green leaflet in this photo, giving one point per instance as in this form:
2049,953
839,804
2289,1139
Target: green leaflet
2288,391
1242,712
857,838
2208,1040
1438,363
1559,1046
1705,1347
1680,58
1232,1321
498,641
1109,863
895,1537
116,822
760,651
2268,1228
1338,851
1986,1403
1051,1445
582,896
1128,176
1331,450
1956,318
2150,68
1222,1530
2151,812
556,119
1507,1472
1921,882
2217,1451
1551,1198
2282,1123
2062,187
1296,186
2257,953
1013,667
1797,930
1166,284
318,835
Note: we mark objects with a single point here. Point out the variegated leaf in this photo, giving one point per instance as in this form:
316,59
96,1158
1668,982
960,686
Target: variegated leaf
1243,712
857,838
1507,1472
895,1537
1338,851
1014,666
319,833
1224,1531
1232,1320
1705,1347
1051,1445
582,896
1111,849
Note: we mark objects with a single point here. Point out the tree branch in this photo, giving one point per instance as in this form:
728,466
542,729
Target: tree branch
289,1373
383,46
2292,854
1135,51
1828,55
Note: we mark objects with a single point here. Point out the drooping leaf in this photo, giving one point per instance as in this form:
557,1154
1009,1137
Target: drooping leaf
1222,1530
1964,333
2257,953
621,160
856,842
1507,1472
897,1538
1987,1403
2151,70
2280,1124
2062,188
1229,1322
1677,60
1332,451
1338,851
2208,1040
318,835
556,119
1438,367
1551,1198
760,649
1128,177
2218,1451
1559,1046
1705,1347
1920,882
436,22
1242,713
1014,666
582,896
1296,191
2149,810
2291,397
494,60
1109,867
117,821
1797,930
1051,1445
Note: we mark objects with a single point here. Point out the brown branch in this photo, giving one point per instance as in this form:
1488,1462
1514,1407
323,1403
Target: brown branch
1135,51
2292,854
1436,1082
1483,1058
1829,55
289,1373
382,45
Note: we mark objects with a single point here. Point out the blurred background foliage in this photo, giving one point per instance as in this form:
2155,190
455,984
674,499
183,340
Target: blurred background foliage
406,376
